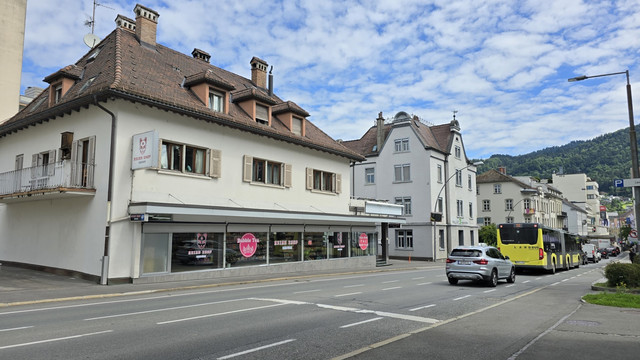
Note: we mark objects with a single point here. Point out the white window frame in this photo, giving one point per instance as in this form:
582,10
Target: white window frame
486,205
322,181
459,178
207,163
440,173
406,204
216,100
370,175
457,152
401,145
404,172
486,221
251,175
508,204
404,239
460,208
497,188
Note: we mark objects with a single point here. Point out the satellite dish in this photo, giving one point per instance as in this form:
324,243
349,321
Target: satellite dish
91,40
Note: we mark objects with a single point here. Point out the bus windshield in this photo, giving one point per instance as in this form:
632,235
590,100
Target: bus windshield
519,235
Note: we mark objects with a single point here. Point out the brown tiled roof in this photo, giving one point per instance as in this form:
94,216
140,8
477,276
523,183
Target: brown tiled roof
288,106
209,77
123,68
494,176
431,136
71,71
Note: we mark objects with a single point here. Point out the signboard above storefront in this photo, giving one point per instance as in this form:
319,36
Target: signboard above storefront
144,152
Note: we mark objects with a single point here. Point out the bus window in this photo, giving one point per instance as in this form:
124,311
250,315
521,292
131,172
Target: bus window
523,235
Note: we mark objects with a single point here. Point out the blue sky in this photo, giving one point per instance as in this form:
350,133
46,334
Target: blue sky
502,65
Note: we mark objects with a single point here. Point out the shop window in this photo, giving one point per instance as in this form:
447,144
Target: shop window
198,251
249,247
285,247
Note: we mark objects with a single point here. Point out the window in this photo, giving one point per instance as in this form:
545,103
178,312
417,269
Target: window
404,239
471,210
402,173
19,162
406,204
497,189
402,145
296,126
262,114
486,221
461,237
458,152
591,196
439,173
216,100
470,183
183,158
486,205
509,220
460,208
319,180
527,204
441,239
459,178
590,187
508,204
439,207
527,219
57,95
370,176
269,172
471,235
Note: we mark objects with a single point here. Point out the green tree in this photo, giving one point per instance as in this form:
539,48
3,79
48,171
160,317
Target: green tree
489,234
624,233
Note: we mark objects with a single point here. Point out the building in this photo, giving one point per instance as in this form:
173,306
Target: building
410,163
577,218
152,165
584,192
14,13
507,199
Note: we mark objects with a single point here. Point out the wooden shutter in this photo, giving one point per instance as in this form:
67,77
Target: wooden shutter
51,166
287,175
214,167
309,178
248,168
34,165
75,169
91,161
338,187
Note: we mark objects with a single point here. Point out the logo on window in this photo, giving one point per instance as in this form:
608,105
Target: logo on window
248,244
201,240
363,241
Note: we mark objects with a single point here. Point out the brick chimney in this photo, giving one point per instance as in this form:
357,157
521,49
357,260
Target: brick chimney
146,24
201,54
259,72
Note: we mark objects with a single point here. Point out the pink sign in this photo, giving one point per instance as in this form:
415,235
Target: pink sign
363,241
248,244
201,240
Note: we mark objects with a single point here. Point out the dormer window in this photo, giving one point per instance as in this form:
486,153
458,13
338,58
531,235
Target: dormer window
262,114
296,125
57,93
216,100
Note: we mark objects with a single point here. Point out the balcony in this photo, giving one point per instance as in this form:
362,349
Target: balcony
56,180
529,211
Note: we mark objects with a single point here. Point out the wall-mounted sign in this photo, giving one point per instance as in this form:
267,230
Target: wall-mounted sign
144,152
138,217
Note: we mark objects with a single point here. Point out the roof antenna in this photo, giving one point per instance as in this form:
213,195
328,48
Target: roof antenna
91,39
454,114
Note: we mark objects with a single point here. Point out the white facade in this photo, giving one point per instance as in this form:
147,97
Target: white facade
583,192
431,174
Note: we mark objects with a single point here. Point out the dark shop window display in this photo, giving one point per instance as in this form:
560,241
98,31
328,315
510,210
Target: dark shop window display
338,245
197,251
285,247
315,245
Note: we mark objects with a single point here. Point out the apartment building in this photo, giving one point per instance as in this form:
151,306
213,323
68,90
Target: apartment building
582,191
139,163
424,169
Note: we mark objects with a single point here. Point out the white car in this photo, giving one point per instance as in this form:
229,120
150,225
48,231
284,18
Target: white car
479,263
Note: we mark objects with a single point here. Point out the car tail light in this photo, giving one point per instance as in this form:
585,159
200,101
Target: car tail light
449,261
481,262
540,253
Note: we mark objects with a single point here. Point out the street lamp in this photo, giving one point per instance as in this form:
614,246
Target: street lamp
635,171
437,216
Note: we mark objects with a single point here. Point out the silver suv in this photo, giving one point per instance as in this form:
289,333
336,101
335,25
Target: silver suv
480,263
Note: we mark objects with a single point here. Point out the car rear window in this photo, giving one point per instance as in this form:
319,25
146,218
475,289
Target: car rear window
466,252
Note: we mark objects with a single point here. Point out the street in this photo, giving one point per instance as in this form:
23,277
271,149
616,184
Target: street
408,314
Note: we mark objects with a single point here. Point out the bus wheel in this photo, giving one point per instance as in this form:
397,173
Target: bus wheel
512,276
493,281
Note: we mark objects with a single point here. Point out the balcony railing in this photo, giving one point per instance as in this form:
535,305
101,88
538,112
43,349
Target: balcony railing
60,176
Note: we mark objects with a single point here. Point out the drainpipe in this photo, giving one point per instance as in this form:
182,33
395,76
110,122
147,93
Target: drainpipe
104,277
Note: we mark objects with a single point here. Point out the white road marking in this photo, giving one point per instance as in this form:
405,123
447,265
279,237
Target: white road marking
422,307
488,291
462,297
392,288
349,294
524,282
418,278
158,310
390,281
360,323
217,314
510,285
555,283
18,328
427,283
306,291
256,349
352,286
538,278
53,340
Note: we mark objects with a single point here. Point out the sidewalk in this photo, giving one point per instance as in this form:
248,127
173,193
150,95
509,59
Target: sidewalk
20,286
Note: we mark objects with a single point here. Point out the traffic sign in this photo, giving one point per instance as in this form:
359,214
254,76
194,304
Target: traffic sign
633,234
631,182
618,183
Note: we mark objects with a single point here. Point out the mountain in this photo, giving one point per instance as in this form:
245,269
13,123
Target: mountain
603,159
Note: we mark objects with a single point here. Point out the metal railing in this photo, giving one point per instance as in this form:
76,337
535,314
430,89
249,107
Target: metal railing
64,174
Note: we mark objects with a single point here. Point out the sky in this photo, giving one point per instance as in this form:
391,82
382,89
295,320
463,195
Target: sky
501,65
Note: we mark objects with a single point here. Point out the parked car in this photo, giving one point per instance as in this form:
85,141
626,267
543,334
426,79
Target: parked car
612,251
603,252
479,263
591,252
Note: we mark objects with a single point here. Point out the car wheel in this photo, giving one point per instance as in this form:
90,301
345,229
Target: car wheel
453,281
512,277
493,280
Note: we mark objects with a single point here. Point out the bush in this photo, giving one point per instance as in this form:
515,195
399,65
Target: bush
623,275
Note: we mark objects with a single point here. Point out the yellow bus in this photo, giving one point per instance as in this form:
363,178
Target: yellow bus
535,246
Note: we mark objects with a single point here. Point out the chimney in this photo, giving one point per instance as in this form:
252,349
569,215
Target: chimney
125,23
379,131
259,72
146,24
502,170
271,81
200,54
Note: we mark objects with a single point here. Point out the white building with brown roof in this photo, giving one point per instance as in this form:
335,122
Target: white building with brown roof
425,169
139,163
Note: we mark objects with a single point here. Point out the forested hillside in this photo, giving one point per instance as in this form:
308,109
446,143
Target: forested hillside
603,159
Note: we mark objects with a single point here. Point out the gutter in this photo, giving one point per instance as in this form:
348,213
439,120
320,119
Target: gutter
104,277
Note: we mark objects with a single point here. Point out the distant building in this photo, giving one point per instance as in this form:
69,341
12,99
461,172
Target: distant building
583,192
424,169
13,19
30,93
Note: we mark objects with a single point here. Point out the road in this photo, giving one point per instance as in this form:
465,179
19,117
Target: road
319,318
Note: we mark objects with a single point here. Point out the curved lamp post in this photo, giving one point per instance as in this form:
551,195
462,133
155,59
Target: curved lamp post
635,171
437,216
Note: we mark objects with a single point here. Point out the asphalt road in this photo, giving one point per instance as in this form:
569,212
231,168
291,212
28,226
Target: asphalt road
412,314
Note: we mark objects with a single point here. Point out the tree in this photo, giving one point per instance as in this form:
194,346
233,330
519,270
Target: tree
624,233
489,234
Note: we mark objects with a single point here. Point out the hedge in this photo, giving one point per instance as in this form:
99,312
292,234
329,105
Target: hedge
624,275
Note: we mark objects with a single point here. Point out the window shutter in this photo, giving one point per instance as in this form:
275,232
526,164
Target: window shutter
91,161
159,164
287,175
34,165
262,113
75,169
309,178
248,167
214,167
338,183
51,168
